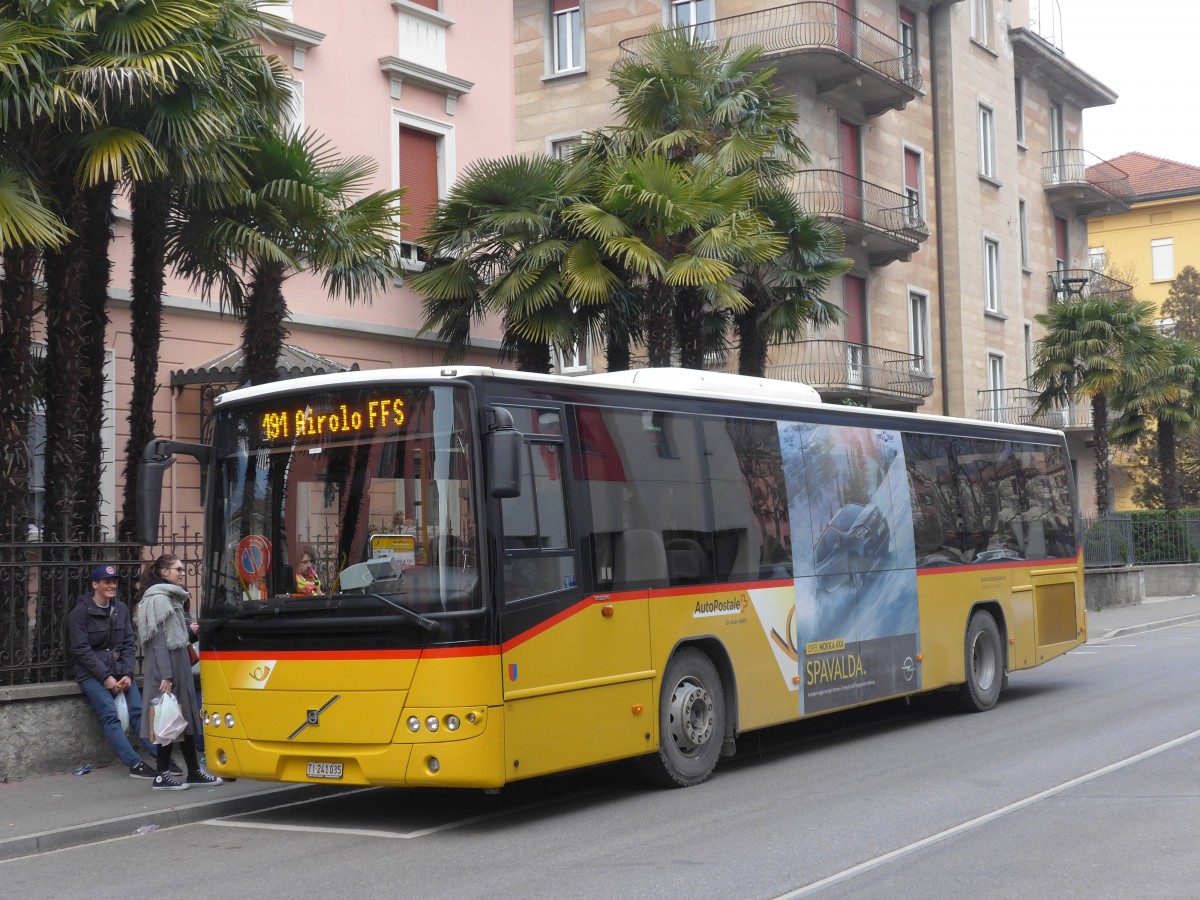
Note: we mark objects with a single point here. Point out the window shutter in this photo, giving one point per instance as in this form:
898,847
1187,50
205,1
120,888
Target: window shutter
563,5
419,176
912,170
428,4
856,309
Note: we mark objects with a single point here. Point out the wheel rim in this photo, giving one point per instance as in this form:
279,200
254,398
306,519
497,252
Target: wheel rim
983,661
691,716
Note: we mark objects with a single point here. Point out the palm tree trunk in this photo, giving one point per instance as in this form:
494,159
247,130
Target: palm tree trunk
532,356
151,203
17,303
659,321
689,327
1167,467
263,332
64,372
1100,442
93,297
752,343
617,353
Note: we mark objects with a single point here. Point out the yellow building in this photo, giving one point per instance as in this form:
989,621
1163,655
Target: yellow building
1159,235
1148,246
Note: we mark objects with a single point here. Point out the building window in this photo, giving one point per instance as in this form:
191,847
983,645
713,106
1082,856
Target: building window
1060,244
695,15
293,113
918,330
1028,350
1020,105
991,275
1162,259
1023,229
981,21
419,178
1165,326
1097,259
995,376
568,35
987,142
915,212
561,148
908,44
575,361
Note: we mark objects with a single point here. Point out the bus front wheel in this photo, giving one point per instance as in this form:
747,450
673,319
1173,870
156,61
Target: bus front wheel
984,664
691,712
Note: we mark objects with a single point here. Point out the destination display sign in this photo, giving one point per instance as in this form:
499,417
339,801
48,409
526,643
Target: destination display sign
310,420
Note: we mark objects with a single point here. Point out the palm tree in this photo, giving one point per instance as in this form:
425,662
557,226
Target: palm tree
1091,344
785,293
197,128
297,214
1170,395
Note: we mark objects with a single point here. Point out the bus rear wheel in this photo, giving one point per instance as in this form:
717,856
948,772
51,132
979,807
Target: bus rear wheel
984,659
691,712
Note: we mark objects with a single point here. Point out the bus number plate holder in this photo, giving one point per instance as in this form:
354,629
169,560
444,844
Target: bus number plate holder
324,770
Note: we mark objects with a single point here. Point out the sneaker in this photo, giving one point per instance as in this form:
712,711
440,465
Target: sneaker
141,770
167,783
202,777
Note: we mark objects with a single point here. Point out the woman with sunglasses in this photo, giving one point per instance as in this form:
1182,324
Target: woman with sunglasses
164,634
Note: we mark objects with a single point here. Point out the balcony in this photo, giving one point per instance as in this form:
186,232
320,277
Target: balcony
1015,406
849,60
1066,283
841,370
887,224
1081,184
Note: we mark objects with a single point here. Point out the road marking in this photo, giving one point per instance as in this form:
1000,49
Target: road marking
369,832
986,818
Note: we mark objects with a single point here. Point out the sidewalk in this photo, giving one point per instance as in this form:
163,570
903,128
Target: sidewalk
59,811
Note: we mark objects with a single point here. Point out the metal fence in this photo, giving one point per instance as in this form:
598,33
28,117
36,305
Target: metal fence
39,583
1128,541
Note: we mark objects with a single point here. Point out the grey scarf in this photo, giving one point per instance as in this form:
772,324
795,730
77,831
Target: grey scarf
162,607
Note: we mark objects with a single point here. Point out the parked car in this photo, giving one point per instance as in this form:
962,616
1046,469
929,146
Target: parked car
854,542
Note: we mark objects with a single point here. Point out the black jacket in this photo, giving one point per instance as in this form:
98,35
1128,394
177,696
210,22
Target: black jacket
101,640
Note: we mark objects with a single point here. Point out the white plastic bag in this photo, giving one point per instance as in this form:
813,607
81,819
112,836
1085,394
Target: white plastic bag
122,711
166,720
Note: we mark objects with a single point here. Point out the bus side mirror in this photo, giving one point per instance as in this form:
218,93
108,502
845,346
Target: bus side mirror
504,446
149,498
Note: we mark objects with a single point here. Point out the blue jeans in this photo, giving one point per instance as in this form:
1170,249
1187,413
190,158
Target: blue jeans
105,705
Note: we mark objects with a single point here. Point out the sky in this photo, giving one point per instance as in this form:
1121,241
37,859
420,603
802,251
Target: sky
1147,52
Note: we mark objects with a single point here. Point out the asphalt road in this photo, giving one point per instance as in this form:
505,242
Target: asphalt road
1083,782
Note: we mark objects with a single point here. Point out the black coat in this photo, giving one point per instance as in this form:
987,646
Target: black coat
101,640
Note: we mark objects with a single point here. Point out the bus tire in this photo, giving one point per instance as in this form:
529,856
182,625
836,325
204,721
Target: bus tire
691,713
984,658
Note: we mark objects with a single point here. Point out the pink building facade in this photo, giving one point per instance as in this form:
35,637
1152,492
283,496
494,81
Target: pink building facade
422,87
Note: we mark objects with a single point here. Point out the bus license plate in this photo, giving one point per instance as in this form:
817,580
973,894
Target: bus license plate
324,770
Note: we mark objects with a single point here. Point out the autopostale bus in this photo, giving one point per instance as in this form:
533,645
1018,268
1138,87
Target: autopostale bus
522,574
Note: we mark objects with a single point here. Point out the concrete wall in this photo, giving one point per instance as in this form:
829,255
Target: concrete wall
49,728
1181,580
1106,588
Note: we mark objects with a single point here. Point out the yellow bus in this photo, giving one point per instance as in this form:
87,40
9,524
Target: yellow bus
522,574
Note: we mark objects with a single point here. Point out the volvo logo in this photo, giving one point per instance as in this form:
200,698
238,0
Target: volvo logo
313,716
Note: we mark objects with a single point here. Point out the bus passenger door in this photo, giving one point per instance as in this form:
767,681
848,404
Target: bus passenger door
577,684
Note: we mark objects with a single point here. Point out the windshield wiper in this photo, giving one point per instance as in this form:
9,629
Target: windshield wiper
429,626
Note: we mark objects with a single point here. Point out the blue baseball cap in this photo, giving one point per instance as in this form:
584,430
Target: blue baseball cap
103,573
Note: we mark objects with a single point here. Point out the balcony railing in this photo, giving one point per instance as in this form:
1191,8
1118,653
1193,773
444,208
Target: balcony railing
1088,184
845,370
887,223
1015,406
1065,283
848,45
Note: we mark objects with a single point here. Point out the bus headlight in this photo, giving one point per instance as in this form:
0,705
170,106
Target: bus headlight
228,720
414,724
452,723
432,723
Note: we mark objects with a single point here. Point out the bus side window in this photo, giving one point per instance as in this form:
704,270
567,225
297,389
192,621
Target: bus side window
538,554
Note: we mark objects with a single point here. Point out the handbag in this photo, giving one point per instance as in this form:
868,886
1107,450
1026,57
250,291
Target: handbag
193,654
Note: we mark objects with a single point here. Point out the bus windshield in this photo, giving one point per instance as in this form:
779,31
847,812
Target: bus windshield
347,502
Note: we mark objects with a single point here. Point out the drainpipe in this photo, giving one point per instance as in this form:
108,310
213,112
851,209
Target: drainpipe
937,212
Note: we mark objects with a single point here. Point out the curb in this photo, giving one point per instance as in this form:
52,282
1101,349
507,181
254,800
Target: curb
126,826
1148,626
